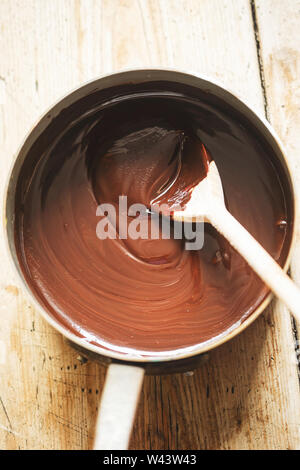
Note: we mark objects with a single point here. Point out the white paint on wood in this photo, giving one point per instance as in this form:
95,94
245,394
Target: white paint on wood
278,24
247,396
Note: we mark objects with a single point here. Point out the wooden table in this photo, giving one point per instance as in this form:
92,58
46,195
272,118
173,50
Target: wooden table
246,396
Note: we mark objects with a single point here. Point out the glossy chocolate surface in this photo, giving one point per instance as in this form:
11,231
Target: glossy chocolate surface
145,296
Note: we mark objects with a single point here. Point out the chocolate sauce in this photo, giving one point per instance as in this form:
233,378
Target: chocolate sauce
145,295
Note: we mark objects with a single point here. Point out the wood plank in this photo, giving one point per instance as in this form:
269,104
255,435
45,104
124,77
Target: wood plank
278,34
245,395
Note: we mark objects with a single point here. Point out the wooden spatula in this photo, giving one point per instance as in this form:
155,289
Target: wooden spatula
207,203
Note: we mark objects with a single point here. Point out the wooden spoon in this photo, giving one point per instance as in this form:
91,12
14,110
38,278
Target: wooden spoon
207,204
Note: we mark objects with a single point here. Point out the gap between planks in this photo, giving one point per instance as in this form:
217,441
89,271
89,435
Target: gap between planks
260,61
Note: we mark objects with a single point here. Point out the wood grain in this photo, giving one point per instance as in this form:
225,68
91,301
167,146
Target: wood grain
247,395
279,39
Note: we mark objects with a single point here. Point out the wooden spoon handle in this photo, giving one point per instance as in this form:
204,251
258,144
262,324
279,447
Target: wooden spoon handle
117,408
257,257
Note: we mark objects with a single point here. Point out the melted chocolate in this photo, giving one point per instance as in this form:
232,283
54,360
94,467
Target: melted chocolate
145,295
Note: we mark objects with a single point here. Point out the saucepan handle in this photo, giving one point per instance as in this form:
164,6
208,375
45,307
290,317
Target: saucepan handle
117,407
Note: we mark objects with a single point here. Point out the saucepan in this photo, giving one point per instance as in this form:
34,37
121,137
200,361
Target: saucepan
125,372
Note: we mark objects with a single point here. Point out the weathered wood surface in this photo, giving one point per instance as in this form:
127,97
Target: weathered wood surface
247,395
279,39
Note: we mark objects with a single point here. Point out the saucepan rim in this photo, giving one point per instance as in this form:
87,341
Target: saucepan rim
121,77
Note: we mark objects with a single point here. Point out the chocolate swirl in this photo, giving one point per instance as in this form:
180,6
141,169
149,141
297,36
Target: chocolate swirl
146,295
